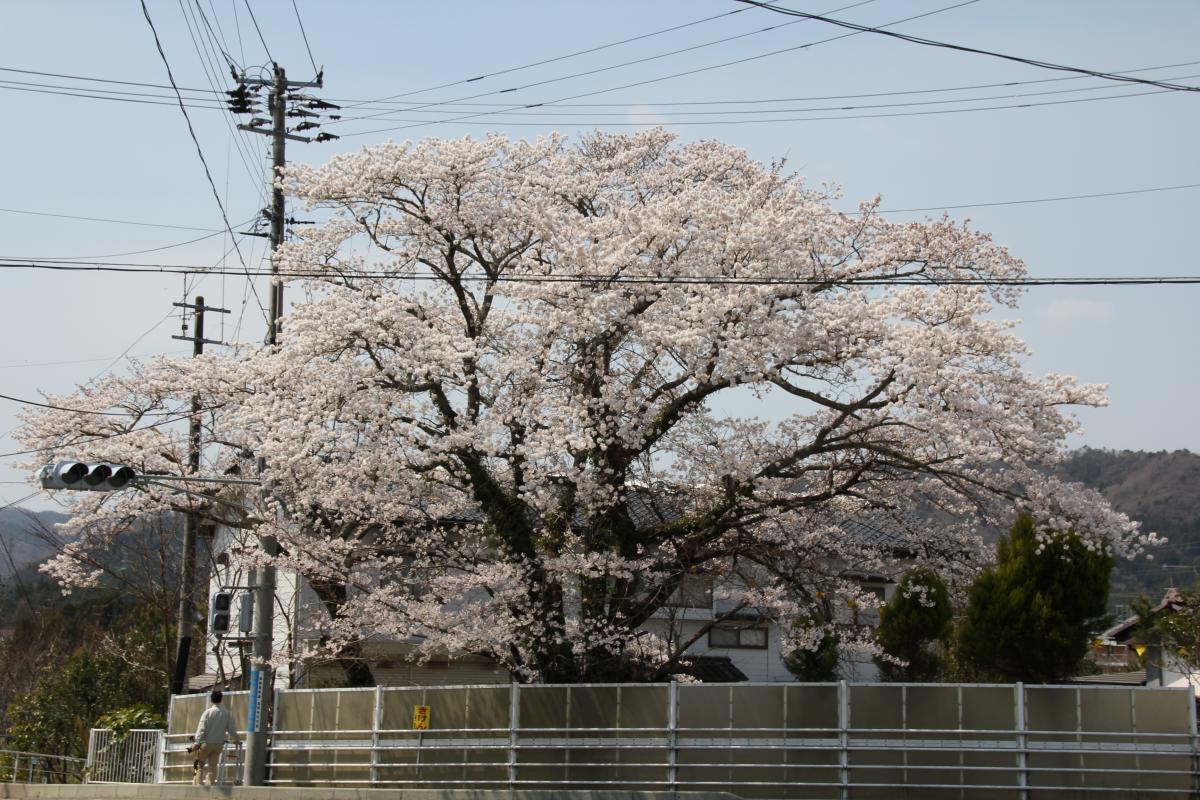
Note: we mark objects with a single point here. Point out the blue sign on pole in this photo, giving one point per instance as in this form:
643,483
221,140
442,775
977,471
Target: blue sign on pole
255,700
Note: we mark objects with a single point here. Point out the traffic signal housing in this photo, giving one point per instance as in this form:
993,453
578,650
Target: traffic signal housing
220,607
88,477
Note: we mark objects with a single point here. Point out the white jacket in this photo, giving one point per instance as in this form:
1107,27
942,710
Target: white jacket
215,723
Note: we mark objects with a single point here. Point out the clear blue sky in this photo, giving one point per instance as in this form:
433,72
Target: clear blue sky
128,161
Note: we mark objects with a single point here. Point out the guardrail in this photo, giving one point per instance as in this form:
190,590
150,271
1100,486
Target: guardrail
18,766
761,741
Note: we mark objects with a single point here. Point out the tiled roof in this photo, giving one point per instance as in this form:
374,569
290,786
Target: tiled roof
1123,630
879,531
714,669
1135,678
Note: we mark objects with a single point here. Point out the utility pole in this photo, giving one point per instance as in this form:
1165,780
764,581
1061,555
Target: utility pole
191,521
262,580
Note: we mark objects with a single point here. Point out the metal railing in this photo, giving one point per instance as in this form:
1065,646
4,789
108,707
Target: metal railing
133,756
18,766
764,741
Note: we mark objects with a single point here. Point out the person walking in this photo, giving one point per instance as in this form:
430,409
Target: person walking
215,724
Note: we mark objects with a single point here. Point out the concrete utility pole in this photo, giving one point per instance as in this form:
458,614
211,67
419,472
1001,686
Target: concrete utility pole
262,580
191,521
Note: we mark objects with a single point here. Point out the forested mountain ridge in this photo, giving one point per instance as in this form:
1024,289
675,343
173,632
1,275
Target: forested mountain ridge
1162,491
23,538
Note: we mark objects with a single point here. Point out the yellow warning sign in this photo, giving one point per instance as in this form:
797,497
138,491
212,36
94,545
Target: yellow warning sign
420,718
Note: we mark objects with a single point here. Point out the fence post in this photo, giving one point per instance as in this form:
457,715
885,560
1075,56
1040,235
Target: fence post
1191,703
672,734
514,721
844,738
159,743
1022,741
91,755
376,725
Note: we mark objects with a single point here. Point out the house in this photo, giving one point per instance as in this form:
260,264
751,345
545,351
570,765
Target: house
740,646
1162,666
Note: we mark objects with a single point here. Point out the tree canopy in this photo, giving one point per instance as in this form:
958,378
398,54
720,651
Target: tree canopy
531,386
1032,616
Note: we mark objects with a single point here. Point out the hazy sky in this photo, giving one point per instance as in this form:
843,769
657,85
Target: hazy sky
135,161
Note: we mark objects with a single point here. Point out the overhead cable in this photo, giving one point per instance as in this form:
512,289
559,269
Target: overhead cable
403,107
332,272
258,30
622,64
508,70
97,80
304,36
108,220
200,152
1111,76
658,79
597,70
54,407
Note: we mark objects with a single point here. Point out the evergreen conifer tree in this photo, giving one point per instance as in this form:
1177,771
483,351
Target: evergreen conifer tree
914,626
1030,617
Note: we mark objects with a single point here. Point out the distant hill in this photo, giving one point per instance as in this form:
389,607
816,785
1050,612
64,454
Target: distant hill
1162,491
22,544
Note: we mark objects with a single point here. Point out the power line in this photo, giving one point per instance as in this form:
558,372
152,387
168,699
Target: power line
587,73
31,365
658,79
101,97
93,439
404,107
304,36
112,221
877,280
228,58
23,401
97,80
156,249
1036,200
467,120
88,91
258,30
212,76
496,73
623,64
1111,76
199,150
659,119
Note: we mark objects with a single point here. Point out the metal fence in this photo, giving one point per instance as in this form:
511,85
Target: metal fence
760,741
17,766
133,756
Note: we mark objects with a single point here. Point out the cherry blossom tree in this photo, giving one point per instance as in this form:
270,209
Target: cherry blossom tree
532,386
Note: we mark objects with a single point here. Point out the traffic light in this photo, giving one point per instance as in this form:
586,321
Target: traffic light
86,477
219,608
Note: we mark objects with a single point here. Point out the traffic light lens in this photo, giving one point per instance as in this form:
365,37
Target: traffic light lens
120,476
73,473
97,474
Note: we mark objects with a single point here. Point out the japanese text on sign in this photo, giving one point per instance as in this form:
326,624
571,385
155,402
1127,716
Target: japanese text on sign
420,718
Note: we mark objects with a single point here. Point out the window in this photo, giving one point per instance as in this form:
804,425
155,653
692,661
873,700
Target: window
749,635
694,591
